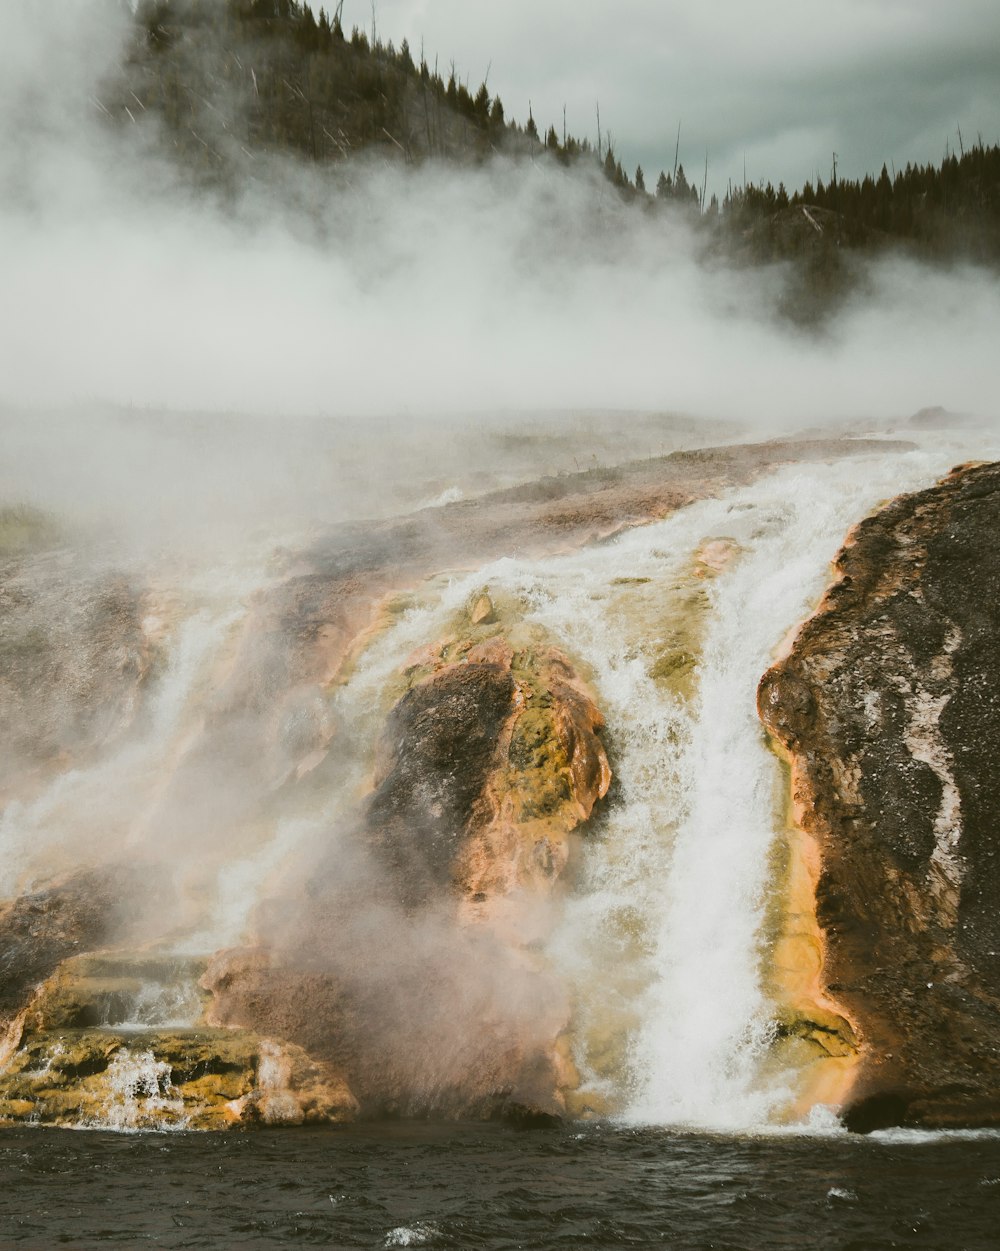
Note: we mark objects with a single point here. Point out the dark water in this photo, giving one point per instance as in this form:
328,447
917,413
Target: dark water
486,1186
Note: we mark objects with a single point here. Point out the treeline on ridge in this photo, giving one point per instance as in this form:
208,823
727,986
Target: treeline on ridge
233,79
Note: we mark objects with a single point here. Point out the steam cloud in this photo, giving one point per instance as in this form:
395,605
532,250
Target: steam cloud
386,290
424,296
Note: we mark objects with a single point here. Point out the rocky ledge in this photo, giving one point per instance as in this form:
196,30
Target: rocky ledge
888,709
426,992
86,1052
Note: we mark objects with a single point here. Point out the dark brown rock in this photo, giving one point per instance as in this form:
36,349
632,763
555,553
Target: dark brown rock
488,762
438,748
889,707
82,912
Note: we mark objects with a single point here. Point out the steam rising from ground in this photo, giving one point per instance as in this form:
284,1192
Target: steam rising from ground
384,308
381,289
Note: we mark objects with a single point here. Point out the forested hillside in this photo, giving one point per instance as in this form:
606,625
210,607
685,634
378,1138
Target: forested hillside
950,210
231,81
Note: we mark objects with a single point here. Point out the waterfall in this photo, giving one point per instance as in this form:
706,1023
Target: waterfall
658,934
661,937
671,909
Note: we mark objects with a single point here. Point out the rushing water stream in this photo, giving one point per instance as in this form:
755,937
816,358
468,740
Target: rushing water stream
661,938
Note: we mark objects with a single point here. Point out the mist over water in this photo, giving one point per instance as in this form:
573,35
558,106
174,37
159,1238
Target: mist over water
190,382
660,937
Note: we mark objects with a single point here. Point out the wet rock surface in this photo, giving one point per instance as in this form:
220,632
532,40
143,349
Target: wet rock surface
82,912
422,992
84,1053
488,762
439,748
888,706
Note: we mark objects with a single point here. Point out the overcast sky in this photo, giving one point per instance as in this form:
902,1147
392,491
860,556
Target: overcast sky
784,83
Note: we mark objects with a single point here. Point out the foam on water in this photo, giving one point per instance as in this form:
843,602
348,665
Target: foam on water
411,1235
140,1094
900,1137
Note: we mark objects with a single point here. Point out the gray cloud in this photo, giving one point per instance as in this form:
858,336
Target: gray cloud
785,83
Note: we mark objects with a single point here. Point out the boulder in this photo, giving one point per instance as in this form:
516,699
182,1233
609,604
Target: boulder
489,761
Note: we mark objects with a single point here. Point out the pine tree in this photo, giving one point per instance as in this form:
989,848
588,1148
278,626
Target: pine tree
681,190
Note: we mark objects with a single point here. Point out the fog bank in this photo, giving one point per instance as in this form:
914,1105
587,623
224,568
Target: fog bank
378,289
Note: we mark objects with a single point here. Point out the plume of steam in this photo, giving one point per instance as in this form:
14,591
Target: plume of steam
383,289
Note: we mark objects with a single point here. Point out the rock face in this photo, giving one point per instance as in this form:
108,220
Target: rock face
422,989
888,707
82,1054
488,762
84,911
438,751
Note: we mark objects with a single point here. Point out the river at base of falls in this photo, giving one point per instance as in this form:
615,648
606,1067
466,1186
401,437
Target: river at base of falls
485,1186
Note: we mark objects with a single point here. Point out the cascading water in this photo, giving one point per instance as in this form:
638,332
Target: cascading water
109,801
659,935
141,1094
678,886
662,937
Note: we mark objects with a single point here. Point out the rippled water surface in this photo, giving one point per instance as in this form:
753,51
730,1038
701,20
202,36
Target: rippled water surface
493,1187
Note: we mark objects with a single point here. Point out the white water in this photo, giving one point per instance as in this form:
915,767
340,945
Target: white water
141,1094
662,940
